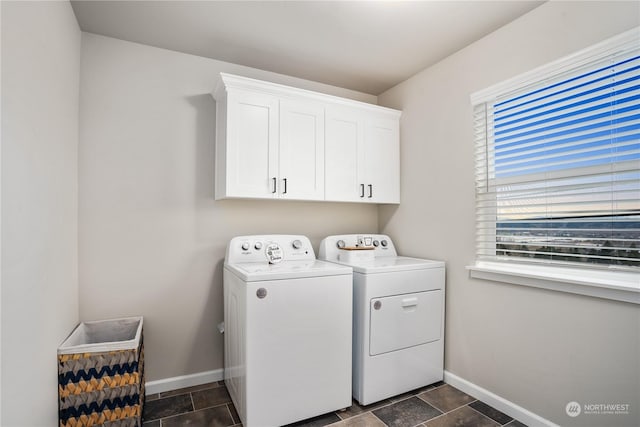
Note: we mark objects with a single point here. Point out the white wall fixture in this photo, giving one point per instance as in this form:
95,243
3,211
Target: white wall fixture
279,142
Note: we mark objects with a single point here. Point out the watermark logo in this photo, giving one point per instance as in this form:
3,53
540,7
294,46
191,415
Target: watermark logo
573,409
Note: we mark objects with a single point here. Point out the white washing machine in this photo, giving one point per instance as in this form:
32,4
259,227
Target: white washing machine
398,316
287,337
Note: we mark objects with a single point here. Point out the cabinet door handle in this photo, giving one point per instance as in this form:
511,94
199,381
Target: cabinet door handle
275,182
370,191
285,186
361,190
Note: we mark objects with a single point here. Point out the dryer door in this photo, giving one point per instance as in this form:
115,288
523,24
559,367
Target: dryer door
403,321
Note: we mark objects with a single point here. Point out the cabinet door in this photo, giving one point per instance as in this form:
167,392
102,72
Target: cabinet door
381,169
252,145
343,155
301,167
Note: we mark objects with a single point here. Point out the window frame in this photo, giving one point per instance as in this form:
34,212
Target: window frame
610,283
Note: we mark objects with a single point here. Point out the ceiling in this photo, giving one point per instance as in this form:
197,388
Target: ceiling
367,46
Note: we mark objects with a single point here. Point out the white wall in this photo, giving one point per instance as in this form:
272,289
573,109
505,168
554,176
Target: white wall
40,82
151,238
539,349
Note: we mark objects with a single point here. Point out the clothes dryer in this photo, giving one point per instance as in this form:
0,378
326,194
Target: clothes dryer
288,329
398,315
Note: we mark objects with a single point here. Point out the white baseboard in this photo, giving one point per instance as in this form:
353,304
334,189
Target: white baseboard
174,383
501,404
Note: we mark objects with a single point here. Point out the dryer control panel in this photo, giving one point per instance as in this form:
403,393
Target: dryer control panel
380,244
269,248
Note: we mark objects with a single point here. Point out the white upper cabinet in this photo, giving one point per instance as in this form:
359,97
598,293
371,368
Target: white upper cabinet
251,148
381,164
362,156
344,157
274,141
301,150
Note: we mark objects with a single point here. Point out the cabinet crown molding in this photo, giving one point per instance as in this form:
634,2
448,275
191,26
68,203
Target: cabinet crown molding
230,81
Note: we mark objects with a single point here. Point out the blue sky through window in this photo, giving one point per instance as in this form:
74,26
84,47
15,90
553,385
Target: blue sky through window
590,119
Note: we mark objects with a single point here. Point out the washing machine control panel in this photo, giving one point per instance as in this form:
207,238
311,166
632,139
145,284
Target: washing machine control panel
375,245
269,248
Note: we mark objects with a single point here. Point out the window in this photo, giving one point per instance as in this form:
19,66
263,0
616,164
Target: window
558,161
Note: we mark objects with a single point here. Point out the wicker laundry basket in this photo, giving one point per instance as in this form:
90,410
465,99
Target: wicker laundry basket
101,374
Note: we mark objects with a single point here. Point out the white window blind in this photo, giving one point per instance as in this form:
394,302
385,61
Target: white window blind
558,163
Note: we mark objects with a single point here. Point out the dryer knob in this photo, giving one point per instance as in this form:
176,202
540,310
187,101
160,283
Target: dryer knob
340,244
384,243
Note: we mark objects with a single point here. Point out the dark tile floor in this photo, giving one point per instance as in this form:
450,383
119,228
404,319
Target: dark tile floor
437,405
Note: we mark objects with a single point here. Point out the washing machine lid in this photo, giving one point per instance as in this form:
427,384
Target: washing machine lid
389,264
260,271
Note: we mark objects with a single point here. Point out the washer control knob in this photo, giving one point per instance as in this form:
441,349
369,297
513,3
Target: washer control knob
258,246
340,244
297,244
384,243
376,243
245,246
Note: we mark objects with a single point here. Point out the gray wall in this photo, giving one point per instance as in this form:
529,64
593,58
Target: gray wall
151,238
537,348
40,81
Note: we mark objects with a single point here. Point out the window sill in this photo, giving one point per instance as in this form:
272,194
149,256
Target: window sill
614,285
